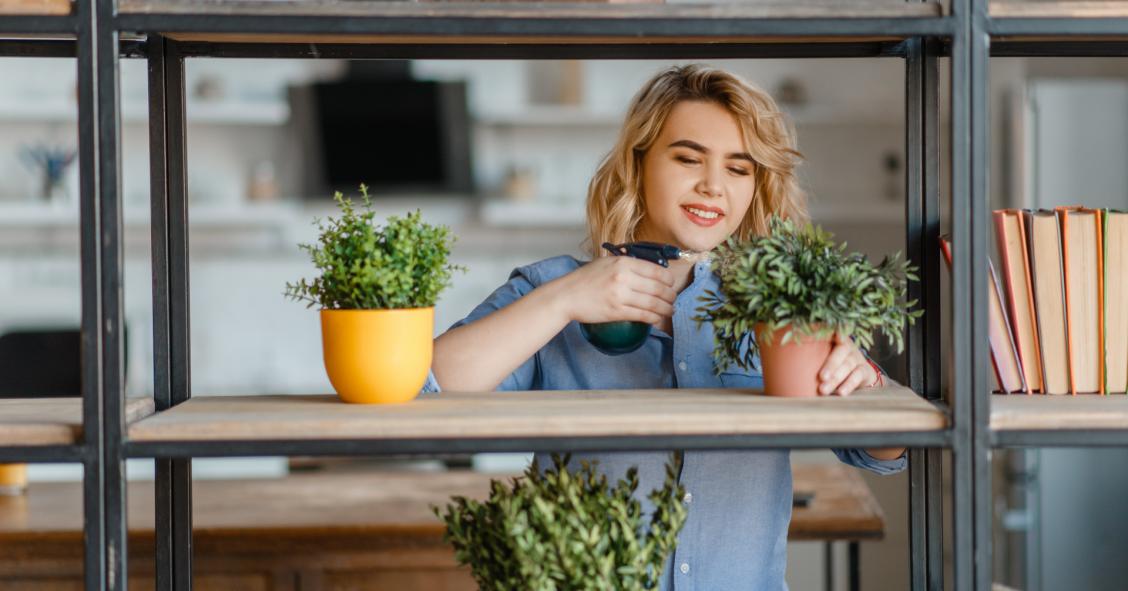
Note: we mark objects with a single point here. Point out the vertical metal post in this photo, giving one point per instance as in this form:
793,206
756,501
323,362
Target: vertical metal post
102,212
971,480
162,390
169,210
855,583
933,353
979,194
922,227
828,565
179,317
93,479
964,255
158,210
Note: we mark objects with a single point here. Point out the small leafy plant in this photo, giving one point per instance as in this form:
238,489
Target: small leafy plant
797,279
365,266
566,530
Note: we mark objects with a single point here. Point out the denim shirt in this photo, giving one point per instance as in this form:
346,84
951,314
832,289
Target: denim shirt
739,502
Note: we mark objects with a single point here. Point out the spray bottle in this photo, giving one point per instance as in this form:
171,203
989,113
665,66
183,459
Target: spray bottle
624,336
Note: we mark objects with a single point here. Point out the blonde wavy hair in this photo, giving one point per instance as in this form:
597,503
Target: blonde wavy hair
615,203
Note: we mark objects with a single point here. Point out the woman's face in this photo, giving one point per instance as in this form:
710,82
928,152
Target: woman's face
697,178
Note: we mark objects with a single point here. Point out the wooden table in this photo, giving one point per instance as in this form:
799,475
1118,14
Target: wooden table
366,530
842,509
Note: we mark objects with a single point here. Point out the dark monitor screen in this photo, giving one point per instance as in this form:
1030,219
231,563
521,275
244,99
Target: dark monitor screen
393,135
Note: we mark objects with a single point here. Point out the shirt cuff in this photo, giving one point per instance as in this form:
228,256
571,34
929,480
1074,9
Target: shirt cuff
860,458
431,385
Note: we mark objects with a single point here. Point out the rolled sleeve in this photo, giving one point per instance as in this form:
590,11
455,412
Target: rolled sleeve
859,458
431,385
518,285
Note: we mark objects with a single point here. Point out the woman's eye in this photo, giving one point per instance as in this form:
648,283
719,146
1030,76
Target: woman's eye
685,160
738,170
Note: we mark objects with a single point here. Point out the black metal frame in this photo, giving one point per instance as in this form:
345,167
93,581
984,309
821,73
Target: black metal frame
92,34
531,26
371,447
172,385
477,51
853,565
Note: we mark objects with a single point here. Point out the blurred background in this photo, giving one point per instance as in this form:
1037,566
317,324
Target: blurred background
502,151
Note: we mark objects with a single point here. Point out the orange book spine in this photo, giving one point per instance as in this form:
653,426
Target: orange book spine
1100,299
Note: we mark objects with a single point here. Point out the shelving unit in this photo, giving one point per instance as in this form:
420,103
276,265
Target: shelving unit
1051,29
920,416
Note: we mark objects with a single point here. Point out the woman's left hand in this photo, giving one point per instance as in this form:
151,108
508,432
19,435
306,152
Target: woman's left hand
846,369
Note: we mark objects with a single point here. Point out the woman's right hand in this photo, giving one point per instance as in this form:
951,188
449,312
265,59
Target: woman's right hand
615,288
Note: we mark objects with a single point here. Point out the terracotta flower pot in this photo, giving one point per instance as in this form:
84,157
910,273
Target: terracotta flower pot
791,369
377,356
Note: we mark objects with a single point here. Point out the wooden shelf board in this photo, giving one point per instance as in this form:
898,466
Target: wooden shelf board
1070,9
330,507
35,7
776,9
591,413
52,421
534,11
514,40
1014,412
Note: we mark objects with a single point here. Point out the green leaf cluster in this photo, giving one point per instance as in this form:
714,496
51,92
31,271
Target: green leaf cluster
797,279
365,266
566,531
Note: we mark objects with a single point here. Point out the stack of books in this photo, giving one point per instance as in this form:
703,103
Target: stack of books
1057,310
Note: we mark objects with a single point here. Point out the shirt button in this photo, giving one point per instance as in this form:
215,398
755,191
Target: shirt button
682,365
685,568
688,498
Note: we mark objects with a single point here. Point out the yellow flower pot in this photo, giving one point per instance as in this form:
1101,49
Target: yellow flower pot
13,478
377,356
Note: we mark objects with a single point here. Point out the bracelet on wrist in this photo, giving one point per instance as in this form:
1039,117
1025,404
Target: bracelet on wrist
879,380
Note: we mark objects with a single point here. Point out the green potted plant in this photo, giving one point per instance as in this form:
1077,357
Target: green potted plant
377,290
791,291
566,530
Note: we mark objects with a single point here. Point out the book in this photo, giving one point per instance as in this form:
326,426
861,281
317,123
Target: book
1014,267
1004,356
1043,239
1001,339
1083,279
1115,230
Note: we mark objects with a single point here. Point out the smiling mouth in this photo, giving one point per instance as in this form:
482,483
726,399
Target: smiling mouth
702,217
709,215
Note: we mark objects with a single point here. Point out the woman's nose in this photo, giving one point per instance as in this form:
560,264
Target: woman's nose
710,183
